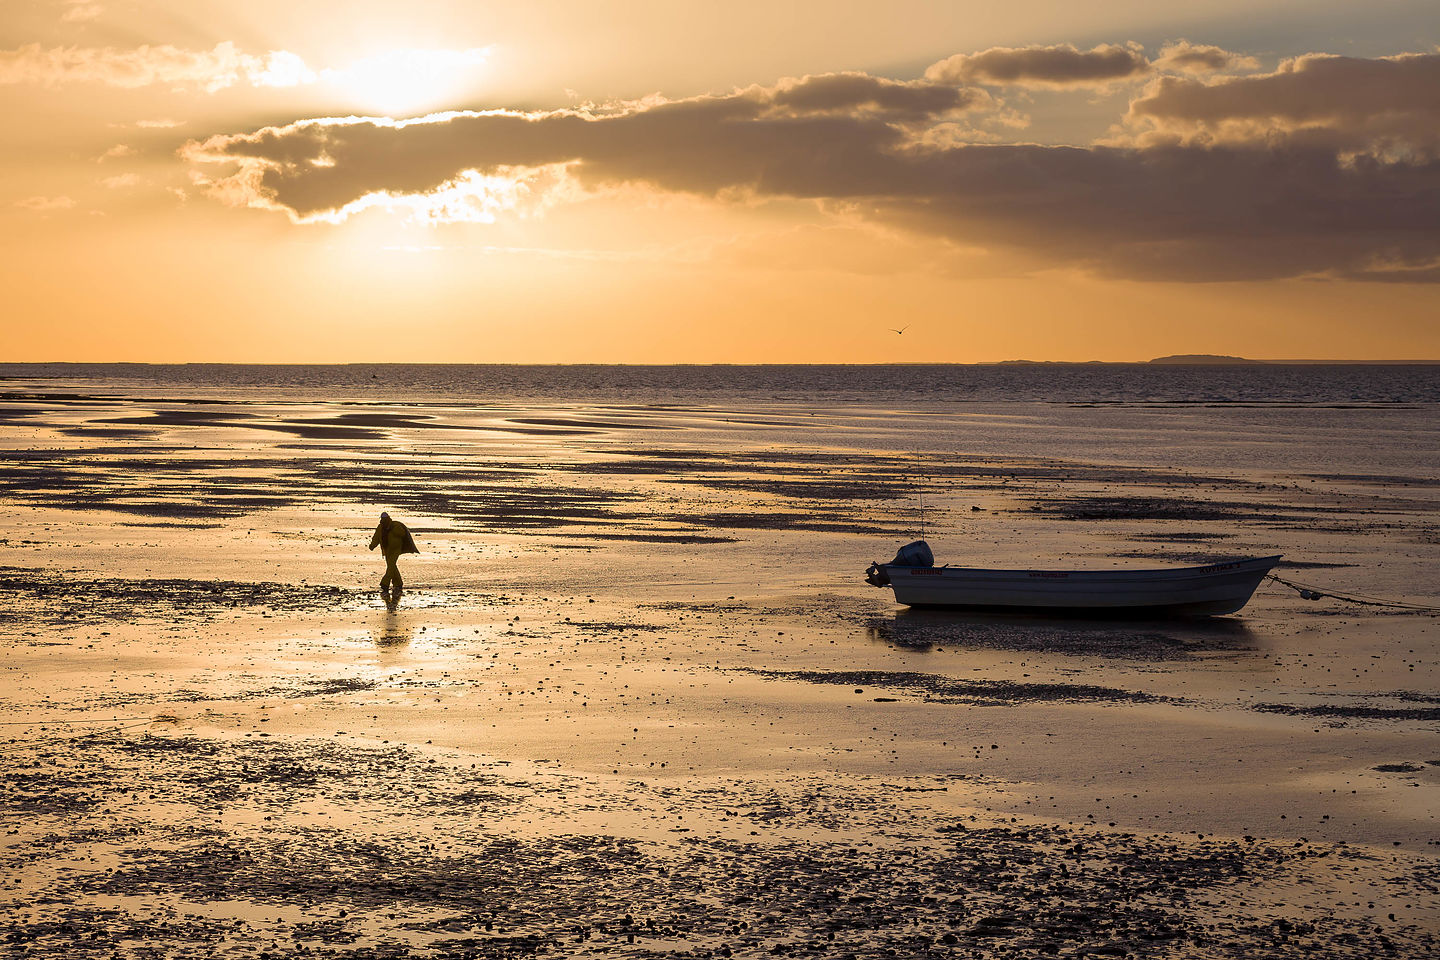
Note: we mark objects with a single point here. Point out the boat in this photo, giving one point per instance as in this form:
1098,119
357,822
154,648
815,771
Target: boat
1210,590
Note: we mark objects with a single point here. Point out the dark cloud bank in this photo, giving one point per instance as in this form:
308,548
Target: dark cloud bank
1329,166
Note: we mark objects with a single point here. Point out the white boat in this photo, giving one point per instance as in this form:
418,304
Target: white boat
1211,590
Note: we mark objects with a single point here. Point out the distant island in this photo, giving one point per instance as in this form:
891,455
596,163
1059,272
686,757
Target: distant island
1202,358
1042,363
1178,359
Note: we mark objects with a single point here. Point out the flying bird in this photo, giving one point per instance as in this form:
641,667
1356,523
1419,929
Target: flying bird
901,330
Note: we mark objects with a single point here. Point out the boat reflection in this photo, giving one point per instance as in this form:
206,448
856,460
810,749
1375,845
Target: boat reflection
1130,639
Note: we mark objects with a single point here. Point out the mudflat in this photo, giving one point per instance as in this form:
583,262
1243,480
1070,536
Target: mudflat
638,700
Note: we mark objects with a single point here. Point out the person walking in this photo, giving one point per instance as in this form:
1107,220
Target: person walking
393,538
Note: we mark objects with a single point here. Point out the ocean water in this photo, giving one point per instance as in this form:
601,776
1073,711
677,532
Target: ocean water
1355,421
1268,384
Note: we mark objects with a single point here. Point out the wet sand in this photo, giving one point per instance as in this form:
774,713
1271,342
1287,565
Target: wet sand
638,701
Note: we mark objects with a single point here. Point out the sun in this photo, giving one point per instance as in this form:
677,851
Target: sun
408,81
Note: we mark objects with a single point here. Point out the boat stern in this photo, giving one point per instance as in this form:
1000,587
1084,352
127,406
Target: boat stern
877,576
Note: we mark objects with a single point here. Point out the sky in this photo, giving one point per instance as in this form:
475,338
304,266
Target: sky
718,182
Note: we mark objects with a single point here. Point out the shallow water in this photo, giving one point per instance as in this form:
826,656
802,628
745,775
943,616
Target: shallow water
1266,384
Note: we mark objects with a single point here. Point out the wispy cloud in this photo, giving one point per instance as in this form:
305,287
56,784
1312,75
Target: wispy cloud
46,204
81,11
226,65
120,181
208,70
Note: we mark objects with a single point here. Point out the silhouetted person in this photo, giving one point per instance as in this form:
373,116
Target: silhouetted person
393,538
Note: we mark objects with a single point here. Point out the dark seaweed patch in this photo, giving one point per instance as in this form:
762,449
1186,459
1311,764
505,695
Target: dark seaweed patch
40,596
933,688
1365,711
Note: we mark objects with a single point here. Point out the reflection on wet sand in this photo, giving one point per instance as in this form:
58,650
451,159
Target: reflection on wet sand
394,629
1119,639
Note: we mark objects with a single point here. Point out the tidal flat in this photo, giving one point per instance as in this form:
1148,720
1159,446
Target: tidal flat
637,700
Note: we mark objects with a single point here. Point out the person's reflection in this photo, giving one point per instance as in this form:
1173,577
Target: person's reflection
394,630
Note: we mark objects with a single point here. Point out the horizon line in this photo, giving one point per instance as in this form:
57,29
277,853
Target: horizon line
1169,361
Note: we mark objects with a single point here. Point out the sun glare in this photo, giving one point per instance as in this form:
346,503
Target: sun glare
399,82
471,197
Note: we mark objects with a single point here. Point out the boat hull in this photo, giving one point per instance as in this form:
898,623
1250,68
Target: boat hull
1212,590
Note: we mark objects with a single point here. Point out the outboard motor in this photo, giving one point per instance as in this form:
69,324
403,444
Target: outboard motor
876,576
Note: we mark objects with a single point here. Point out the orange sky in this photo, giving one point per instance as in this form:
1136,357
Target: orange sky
704,182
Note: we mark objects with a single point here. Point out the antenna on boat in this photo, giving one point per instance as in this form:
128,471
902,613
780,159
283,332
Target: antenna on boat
922,508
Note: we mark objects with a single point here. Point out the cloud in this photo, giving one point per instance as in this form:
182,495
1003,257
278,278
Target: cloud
395,82
46,204
469,197
400,76
115,152
850,93
757,138
1185,213
1062,65
1388,105
1151,208
1065,66
1185,57
208,70
80,11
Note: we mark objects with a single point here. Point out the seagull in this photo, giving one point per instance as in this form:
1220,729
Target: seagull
901,330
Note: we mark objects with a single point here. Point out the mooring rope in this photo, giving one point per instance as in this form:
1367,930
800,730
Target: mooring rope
1308,592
